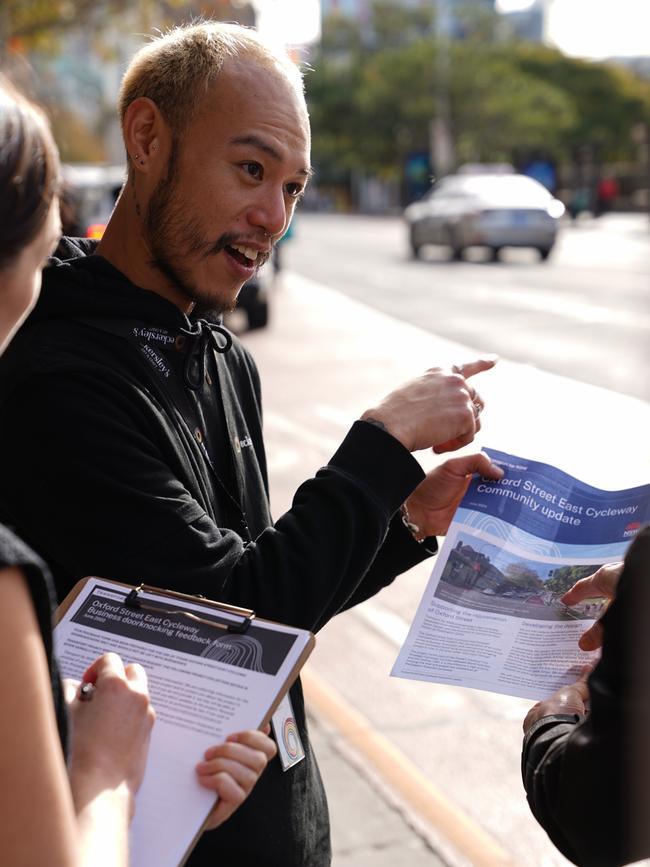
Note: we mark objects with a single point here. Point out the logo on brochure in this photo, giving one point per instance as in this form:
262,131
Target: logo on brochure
631,529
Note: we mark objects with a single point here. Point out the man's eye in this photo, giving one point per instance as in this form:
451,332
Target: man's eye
254,170
294,190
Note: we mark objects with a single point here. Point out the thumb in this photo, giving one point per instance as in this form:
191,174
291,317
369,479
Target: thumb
592,638
467,465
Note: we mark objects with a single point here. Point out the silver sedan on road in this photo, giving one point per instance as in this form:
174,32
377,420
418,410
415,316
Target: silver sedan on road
486,210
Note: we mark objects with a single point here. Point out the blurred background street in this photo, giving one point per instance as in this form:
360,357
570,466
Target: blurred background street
584,313
395,263
324,357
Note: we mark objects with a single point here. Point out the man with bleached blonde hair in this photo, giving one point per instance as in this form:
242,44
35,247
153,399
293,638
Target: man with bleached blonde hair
125,395
175,75
168,123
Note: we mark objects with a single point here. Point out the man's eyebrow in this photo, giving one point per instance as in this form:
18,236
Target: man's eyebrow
260,144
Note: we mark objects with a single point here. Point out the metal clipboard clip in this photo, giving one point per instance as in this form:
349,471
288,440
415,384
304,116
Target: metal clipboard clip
246,616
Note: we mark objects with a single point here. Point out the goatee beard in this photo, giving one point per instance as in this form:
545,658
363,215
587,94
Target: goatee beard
173,240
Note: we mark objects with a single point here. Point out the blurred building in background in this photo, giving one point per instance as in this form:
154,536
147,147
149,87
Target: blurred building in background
450,12
528,24
399,91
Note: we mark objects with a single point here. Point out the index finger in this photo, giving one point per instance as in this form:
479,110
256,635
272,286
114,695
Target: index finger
107,663
582,589
470,368
602,583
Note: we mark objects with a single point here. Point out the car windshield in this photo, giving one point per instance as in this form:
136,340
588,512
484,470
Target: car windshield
507,190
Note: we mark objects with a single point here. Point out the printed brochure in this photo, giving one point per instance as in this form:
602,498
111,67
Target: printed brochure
491,616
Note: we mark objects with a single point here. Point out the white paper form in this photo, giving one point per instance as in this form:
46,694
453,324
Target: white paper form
492,615
205,684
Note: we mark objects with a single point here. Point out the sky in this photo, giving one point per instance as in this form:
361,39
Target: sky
291,22
595,28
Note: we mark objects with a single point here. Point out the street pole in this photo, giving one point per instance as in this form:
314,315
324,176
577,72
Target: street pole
646,131
441,142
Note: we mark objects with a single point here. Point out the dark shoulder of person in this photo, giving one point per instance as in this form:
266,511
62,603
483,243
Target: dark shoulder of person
587,782
14,553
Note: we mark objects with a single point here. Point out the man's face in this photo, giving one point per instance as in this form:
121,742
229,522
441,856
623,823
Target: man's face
232,185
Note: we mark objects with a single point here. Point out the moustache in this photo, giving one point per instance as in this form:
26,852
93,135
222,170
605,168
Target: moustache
227,240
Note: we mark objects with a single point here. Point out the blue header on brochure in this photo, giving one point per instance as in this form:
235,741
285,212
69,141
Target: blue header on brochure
550,504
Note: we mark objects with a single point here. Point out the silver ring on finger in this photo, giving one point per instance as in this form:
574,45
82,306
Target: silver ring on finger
478,408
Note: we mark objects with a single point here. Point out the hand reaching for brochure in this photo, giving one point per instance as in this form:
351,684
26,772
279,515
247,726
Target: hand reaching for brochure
569,699
602,583
432,504
231,770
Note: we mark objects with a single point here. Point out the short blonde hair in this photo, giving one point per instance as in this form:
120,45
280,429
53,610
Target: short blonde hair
174,70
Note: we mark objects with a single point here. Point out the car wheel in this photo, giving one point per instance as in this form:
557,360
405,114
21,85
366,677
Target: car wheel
456,249
413,244
258,315
544,253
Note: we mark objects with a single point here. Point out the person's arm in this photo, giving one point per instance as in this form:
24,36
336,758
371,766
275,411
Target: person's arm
586,777
40,824
543,775
129,515
429,511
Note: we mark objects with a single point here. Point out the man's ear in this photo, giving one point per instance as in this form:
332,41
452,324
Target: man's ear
146,136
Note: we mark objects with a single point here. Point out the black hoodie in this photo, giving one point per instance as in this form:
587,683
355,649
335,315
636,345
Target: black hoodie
129,449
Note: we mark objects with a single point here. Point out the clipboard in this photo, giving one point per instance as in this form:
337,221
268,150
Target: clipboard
226,649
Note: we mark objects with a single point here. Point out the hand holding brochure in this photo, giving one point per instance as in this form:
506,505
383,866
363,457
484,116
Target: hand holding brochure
213,670
491,616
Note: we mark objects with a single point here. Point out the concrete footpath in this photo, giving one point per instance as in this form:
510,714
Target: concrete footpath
371,827
323,360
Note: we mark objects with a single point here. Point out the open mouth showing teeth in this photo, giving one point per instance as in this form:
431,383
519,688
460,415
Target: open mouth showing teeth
244,255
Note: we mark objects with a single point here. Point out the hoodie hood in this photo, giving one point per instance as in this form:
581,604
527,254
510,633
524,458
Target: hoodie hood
79,284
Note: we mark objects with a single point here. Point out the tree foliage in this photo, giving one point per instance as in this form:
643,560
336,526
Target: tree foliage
566,576
522,575
27,25
38,24
608,99
373,98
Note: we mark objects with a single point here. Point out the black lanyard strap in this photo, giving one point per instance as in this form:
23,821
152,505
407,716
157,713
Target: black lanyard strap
199,336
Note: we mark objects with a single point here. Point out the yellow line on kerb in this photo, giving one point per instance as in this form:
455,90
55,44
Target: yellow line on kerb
405,779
